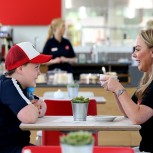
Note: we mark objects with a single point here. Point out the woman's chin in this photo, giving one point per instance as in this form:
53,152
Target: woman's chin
140,68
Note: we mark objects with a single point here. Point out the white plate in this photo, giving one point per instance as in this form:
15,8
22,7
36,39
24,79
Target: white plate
104,118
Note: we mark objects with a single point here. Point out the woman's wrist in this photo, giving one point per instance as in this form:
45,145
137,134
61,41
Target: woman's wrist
120,92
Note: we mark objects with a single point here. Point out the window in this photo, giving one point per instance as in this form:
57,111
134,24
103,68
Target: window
105,22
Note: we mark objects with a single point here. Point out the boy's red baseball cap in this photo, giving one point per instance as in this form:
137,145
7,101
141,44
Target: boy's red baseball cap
22,53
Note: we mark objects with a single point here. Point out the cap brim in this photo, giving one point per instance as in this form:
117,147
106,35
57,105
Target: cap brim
41,58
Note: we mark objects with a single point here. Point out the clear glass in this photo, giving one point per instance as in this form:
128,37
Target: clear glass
72,91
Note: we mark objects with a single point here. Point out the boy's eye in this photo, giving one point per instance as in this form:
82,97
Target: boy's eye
37,67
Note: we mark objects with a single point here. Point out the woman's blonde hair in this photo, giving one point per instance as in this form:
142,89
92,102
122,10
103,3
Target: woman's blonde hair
147,36
149,24
54,24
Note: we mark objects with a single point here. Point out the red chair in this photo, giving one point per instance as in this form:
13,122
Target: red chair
97,149
60,108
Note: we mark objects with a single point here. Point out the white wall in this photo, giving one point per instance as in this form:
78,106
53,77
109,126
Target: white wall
29,33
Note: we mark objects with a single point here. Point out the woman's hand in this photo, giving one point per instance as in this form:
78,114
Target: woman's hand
53,61
110,84
57,60
64,59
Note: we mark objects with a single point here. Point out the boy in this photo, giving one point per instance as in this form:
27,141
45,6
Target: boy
22,64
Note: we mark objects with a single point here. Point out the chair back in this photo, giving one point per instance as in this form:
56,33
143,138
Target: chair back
97,149
63,108
42,149
58,108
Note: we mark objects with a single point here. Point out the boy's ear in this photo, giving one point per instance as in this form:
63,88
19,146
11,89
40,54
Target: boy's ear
19,69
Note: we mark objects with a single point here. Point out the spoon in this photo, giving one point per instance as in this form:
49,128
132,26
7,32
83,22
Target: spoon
103,69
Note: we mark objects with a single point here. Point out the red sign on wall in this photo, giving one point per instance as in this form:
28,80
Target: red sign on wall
29,12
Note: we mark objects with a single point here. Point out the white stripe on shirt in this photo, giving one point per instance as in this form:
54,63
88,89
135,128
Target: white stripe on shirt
20,91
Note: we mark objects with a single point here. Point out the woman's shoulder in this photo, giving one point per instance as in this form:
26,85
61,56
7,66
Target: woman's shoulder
50,40
66,40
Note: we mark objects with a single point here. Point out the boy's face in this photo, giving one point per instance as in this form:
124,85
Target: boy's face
30,73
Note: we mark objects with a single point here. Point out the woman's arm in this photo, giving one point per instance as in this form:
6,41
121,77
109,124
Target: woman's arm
138,114
120,106
56,60
70,60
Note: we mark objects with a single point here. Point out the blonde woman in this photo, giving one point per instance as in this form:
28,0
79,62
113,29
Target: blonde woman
59,47
139,108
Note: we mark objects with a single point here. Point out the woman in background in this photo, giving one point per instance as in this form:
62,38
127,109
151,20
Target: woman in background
139,108
59,47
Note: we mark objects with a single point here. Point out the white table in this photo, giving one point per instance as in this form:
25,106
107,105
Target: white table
66,123
99,99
